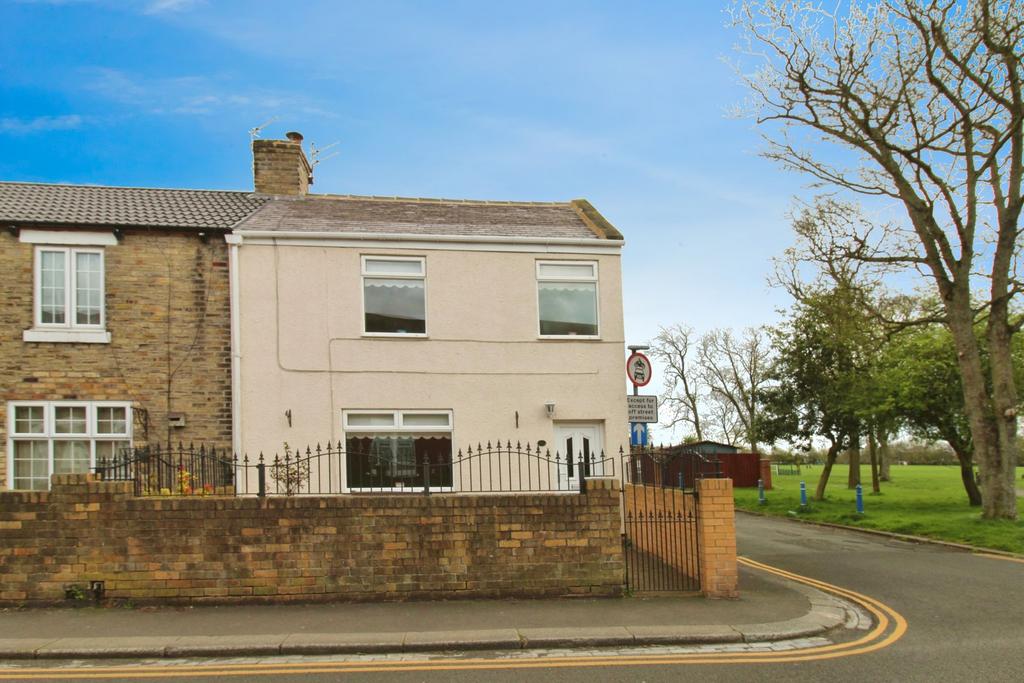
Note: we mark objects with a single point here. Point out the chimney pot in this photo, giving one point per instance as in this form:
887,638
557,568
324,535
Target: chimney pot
294,136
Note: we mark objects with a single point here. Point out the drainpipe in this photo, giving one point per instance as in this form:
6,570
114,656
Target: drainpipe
234,241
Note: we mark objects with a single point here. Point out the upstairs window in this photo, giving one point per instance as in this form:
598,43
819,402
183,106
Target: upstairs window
394,295
69,288
567,298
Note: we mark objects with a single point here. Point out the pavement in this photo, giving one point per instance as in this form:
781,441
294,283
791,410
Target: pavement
770,609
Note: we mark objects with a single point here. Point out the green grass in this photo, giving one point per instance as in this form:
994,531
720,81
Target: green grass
922,500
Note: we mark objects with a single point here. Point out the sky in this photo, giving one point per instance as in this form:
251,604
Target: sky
624,104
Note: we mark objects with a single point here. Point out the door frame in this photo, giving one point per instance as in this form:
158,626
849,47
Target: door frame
564,430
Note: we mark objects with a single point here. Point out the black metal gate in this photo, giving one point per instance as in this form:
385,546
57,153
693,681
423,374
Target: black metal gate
660,540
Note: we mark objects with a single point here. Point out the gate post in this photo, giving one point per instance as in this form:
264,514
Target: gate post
716,524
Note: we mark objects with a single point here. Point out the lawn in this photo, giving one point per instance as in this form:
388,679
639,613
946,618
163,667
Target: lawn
922,500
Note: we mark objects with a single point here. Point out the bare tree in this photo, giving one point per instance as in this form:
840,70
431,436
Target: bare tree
675,348
735,370
929,99
724,419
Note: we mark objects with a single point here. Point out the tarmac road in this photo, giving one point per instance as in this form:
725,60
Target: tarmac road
965,617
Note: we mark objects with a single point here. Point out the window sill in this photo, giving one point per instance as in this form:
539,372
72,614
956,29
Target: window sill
396,335
568,337
67,336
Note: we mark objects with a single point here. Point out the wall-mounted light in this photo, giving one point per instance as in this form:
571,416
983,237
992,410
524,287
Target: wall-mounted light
550,407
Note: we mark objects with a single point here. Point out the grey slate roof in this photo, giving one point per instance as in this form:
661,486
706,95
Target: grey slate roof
410,216
90,205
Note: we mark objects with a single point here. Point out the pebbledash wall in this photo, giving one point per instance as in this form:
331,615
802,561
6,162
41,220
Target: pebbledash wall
167,310
306,548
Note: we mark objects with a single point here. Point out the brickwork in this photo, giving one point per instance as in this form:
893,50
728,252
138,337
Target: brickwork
716,522
280,167
306,548
167,310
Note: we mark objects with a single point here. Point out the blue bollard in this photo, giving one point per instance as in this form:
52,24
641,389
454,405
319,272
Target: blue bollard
803,494
760,492
860,500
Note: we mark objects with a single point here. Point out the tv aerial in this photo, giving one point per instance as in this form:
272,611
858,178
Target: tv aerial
255,132
316,153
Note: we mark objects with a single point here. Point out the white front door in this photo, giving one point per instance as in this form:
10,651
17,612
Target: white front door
580,442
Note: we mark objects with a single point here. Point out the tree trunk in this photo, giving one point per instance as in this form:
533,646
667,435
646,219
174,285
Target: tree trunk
1002,467
873,451
854,453
967,476
992,419
884,461
830,459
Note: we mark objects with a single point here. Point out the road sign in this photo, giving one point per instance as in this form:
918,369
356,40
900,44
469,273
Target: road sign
637,434
642,408
638,369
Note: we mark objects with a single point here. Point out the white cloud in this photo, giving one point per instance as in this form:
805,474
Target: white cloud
17,126
168,6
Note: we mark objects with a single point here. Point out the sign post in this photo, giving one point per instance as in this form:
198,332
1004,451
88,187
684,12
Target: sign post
642,409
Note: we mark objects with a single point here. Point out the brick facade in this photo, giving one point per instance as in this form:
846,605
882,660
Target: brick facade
212,549
167,310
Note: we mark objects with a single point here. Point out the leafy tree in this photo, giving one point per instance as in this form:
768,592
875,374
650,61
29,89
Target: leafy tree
925,104
820,356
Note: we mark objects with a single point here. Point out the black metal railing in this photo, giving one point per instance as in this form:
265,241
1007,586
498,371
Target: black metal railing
670,466
334,469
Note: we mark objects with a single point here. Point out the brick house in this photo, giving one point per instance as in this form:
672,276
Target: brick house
114,323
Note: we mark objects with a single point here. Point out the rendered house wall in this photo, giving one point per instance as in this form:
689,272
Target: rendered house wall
303,348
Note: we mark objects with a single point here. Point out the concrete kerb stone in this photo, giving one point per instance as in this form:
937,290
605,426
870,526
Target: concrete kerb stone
827,613
493,639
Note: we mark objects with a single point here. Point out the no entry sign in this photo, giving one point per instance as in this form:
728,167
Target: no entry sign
638,369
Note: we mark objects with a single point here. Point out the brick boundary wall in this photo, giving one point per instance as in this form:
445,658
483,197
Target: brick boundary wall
220,549
766,473
716,531
716,523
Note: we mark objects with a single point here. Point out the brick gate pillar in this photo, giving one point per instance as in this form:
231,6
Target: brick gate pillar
716,528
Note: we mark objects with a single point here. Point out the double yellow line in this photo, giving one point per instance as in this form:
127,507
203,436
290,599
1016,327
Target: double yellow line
889,627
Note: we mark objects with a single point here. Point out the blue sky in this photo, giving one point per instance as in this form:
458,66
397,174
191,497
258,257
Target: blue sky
621,103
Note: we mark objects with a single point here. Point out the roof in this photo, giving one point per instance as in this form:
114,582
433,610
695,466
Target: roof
575,219
92,205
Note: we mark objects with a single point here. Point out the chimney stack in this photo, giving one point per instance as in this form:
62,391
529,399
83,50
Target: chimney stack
280,166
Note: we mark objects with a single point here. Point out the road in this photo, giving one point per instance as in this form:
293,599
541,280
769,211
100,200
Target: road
965,617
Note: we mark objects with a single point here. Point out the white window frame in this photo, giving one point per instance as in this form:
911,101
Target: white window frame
595,278
70,290
397,428
422,276
49,435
